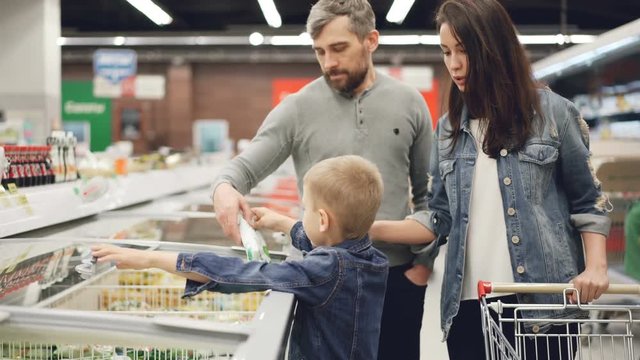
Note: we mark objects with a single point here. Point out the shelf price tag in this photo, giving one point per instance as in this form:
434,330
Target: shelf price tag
21,199
3,198
13,188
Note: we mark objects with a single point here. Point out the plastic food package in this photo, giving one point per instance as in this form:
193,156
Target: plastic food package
254,244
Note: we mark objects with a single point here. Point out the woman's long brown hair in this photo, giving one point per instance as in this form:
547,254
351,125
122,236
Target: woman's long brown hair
499,84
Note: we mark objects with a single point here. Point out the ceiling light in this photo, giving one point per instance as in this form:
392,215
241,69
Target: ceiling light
303,39
152,11
429,39
290,40
539,39
256,39
399,10
270,13
119,40
399,40
581,39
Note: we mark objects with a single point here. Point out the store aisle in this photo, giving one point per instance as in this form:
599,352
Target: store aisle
432,347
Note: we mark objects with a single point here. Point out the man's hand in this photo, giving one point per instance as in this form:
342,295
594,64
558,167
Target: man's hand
227,203
418,275
269,219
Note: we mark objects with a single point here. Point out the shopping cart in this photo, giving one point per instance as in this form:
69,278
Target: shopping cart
529,340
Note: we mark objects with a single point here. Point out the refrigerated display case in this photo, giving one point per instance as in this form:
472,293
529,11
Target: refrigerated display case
34,208
48,311
184,218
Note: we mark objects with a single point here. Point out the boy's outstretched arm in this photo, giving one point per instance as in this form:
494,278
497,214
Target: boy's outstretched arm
407,231
134,259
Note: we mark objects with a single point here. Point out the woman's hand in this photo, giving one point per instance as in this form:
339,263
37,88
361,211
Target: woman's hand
591,283
594,280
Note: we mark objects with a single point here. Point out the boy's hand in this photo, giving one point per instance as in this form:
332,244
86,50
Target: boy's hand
269,219
123,258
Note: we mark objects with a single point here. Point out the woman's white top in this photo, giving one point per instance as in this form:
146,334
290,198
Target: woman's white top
487,252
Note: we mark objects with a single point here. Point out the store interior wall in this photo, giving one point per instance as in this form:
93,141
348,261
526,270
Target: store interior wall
30,64
240,93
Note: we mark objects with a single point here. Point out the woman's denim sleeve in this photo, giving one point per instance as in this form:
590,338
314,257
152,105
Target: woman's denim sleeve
588,203
439,216
311,279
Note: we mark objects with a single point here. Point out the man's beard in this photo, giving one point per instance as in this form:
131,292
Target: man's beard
353,80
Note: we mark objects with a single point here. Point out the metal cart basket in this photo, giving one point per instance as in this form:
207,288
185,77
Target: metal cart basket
587,342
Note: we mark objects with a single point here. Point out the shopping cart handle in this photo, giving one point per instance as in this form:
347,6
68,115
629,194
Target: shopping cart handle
487,287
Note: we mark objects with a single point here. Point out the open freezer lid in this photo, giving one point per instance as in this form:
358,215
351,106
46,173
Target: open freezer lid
32,270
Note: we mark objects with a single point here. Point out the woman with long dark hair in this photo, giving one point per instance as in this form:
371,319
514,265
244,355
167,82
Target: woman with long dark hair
512,189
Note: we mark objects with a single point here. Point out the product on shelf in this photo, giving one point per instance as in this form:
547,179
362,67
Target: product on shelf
63,155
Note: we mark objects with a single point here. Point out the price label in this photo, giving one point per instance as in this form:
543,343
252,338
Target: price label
13,188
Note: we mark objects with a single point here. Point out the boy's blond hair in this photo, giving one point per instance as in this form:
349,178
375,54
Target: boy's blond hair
348,186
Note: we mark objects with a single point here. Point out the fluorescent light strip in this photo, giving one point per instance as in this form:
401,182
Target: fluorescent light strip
289,40
539,39
399,10
581,39
270,13
152,11
285,40
399,40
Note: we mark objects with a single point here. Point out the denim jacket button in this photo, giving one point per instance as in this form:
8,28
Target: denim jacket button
511,211
503,152
515,239
520,269
507,181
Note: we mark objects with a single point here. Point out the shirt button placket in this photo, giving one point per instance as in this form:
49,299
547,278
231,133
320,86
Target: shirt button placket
359,115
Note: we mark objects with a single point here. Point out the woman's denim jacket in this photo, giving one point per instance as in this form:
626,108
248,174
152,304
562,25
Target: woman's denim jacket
340,292
549,196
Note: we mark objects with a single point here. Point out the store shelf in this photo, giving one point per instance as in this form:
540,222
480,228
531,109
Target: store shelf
37,207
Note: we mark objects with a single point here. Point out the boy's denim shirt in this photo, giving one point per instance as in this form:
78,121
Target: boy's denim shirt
549,195
340,292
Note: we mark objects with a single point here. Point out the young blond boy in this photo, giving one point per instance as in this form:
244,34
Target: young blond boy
339,283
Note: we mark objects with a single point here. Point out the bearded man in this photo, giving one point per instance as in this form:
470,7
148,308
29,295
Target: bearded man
351,110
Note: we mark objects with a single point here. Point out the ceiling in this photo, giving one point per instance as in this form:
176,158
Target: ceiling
82,17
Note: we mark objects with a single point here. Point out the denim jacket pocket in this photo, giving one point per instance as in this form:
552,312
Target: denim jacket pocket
537,164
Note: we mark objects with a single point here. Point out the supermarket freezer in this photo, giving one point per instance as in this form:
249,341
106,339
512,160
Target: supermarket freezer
186,218
179,226
48,311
